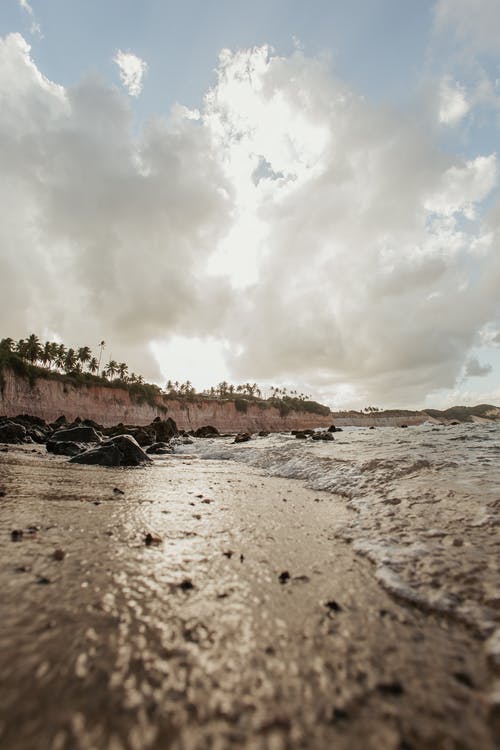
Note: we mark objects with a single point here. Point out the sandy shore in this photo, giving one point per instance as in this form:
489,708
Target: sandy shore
245,624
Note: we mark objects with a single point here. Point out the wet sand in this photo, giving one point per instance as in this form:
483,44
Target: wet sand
200,639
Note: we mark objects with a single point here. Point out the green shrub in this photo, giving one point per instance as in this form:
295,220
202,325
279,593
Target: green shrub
241,404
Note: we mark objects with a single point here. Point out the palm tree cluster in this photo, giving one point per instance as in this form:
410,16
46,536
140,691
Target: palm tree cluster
54,356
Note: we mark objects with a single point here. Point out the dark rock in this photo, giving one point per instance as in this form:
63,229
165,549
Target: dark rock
29,420
144,436
118,491
59,554
206,432
10,432
390,688
243,437
77,435
16,535
186,585
454,423
284,577
263,433
403,425
334,429
90,423
150,539
372,427
158,449
302,433
333,606
164,429
122,450
59,422
64,447
301,436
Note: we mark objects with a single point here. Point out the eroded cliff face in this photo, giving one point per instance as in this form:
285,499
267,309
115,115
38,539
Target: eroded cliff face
49,399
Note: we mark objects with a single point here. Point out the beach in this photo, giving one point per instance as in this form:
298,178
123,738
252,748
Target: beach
203,603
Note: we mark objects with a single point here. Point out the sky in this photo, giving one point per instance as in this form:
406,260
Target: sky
297,194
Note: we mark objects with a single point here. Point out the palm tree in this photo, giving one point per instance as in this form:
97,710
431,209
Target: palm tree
33,348
21,348
93,366
60,356
101,348
46,354
111,368
7,345
70,360
122,370
84,354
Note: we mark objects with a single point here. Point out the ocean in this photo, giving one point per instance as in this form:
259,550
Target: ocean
425,506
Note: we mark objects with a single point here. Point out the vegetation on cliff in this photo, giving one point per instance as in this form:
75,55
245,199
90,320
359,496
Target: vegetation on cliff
31,359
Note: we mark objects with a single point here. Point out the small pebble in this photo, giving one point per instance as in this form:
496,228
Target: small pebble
284,577
59,554
150,539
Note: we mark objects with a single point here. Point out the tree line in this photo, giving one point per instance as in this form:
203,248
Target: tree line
56,357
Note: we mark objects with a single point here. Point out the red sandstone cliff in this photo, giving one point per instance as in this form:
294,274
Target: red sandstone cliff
49,399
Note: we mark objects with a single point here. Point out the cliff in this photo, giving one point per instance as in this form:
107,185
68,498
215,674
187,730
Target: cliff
48,399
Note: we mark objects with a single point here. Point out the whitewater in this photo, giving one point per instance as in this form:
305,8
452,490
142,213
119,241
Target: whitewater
425,506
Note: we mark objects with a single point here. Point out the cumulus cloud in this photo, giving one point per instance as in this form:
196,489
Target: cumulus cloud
474,369
104,233
319,240
369,276
132,71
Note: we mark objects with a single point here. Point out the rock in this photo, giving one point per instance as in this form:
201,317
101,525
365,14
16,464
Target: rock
16,535
206,432
64,447
186,585
263,433
334,429
301,436
150,539
10,432
164,429
59,422
333,606
403,425
302,433
284,577
144,436
159,449
122,450
243,437
77,435
59,554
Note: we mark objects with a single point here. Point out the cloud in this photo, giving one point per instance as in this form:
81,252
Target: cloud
473,369
35,26
453,105
474,23
105,233
369,275
132,71
306,234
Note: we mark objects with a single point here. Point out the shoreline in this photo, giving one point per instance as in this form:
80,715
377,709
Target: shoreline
182,643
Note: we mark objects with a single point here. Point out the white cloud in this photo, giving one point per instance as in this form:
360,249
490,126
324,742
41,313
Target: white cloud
453,105
35,26
105,234
291,227
132,71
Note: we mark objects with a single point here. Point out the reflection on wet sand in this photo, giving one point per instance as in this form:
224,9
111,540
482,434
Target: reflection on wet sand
197,639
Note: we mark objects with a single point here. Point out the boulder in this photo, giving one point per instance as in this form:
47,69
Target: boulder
164,429
243,437
10,432
77,434
206,432
122,450
64,448
263,433
159,449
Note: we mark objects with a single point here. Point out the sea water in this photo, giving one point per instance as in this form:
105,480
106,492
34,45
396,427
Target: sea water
425,506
